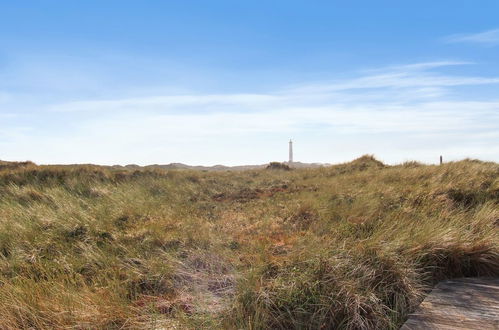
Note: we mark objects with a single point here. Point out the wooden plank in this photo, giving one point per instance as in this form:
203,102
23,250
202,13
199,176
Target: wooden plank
445,323
473,312
474,288
462,298
491,281
467,303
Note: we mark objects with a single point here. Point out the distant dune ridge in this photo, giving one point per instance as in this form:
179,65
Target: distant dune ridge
217,167
177,166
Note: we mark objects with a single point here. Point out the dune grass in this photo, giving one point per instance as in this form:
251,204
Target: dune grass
351,246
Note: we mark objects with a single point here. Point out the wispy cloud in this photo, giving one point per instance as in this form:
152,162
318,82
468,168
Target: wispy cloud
404,107
397,84
394,132
490,37
421,66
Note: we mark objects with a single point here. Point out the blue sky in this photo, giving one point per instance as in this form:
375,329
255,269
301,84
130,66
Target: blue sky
209,82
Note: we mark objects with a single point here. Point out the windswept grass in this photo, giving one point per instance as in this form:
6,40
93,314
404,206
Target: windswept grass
351,246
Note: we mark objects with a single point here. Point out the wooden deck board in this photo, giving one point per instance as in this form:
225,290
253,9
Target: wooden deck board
467,303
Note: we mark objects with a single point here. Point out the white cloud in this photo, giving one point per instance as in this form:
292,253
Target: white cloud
403,79
327,133
168,102
421,66
490,37
406,84
400,114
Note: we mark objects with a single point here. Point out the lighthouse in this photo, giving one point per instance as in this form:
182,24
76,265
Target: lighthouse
290,152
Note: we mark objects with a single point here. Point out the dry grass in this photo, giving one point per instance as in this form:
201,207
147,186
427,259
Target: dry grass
351,246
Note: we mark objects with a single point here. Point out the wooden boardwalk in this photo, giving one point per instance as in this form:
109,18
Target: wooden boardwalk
466,303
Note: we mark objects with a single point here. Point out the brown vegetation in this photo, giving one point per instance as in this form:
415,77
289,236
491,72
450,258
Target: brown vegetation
352,246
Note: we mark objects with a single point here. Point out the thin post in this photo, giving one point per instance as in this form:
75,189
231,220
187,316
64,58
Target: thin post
441,161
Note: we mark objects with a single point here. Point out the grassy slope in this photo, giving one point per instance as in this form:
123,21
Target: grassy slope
350,246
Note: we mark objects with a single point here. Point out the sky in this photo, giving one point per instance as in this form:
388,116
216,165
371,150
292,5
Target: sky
230,82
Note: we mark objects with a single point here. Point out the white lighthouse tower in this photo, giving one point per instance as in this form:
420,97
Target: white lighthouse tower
290,151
